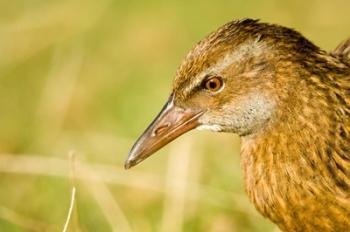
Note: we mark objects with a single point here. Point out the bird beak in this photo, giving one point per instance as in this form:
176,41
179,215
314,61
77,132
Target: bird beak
171,122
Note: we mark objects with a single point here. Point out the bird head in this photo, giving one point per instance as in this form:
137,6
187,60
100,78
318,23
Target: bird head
227,83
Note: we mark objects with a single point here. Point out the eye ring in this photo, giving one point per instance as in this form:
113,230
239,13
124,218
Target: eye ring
214,84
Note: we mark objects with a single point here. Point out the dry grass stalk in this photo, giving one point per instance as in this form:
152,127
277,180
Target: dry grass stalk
56,167
25,222
176,188
107,202
71,210
66,66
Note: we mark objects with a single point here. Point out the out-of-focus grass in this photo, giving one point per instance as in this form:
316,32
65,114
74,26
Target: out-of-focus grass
89,76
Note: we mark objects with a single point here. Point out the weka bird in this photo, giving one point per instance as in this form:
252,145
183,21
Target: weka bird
290,103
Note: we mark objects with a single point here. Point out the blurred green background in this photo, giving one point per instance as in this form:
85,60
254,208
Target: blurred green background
86,77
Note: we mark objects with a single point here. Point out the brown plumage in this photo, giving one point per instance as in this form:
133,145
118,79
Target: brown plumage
290,103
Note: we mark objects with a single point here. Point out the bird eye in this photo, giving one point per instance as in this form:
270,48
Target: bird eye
214,84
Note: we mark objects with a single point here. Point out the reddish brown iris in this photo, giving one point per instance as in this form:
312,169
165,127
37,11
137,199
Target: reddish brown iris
214,84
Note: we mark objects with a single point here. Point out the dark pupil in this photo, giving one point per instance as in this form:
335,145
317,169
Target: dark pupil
212,84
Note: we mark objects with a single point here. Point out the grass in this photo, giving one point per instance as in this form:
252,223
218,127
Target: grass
89,76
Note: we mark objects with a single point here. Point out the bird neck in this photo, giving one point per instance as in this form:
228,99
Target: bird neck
302,152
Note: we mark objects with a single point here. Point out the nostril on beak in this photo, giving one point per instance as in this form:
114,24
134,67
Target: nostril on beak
159,130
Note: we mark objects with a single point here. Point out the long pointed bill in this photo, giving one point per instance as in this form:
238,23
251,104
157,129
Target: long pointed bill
170,123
